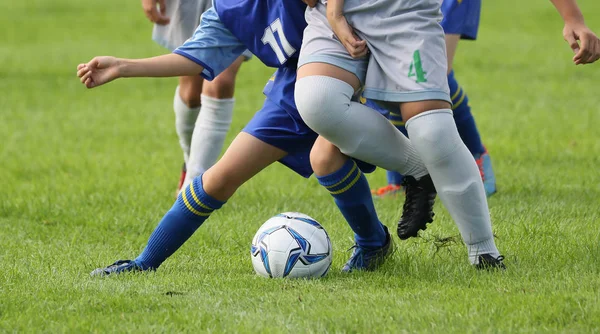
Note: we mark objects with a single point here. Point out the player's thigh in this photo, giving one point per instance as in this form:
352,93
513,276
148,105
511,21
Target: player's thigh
326,158
323,54
223,86
245,157
190,88
411,109
451,44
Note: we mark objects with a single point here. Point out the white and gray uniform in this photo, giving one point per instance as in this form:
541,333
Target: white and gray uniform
185,17
407,60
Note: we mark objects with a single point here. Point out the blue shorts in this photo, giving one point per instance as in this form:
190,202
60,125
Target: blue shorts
275,126
461,17
286,131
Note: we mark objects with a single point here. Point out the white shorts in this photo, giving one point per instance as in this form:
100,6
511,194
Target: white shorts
185,17
407,60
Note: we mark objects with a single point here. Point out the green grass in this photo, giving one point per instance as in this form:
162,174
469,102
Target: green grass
86,175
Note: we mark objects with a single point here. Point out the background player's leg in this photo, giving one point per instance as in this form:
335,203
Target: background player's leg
213,122
186,105
208,192
453,171
465,123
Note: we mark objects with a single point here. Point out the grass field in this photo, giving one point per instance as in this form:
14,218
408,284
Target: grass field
86,175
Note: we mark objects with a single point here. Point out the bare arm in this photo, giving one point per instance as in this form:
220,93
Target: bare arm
355,46
101,70
588,50
568,10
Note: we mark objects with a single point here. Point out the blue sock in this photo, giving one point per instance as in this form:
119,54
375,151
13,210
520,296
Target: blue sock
352,195
396,178
192,208
463,117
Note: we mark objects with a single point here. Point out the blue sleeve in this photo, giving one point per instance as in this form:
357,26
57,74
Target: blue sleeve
212,46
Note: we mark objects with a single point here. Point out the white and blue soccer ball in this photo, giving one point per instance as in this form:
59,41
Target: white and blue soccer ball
291,244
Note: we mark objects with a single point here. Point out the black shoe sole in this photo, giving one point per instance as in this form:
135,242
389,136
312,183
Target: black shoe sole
415,233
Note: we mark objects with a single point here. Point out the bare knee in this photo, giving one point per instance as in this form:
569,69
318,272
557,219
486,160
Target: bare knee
325,158
190,89
219,183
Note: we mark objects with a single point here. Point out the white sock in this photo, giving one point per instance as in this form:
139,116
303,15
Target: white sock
358,131
185,119
209,135
456,178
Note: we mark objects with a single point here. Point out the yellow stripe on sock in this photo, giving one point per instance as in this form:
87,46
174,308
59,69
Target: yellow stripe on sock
196,198
344,179
456,94
191,208
397,123
347,186
457,104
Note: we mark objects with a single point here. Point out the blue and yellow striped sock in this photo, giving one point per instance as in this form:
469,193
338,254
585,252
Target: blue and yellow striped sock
465,123
352,195
192,208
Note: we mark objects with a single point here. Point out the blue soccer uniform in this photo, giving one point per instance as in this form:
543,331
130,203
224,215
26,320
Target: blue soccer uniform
272,30
274,35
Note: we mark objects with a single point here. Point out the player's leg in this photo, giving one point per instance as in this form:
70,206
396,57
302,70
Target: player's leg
195,203
409,65
271,135
327,81
213,122
344,180
186,105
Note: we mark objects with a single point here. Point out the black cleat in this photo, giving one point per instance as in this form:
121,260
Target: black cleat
417,211
487,262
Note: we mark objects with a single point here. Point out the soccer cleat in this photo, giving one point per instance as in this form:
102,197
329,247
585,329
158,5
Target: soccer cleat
369,259
118,267
486,261
387,191
484,162
181,178
417,211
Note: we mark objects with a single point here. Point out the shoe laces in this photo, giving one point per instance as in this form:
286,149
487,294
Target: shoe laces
357,255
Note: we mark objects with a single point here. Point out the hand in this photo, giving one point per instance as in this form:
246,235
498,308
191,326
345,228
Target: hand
152,13
588,50
98,71
344,32
310,3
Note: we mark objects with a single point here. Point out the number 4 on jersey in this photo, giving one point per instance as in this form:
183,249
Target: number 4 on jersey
269,38
416,68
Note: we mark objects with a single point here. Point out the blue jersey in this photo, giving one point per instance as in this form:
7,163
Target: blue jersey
271,29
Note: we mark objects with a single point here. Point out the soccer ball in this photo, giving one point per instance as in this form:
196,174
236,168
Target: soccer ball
291,244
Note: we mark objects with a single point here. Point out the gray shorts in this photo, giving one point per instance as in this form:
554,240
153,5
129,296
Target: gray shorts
407,59
185,17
